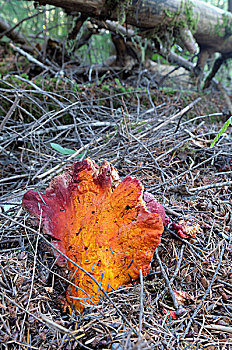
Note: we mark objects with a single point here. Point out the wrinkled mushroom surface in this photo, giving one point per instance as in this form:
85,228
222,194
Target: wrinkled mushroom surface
186,229
100,223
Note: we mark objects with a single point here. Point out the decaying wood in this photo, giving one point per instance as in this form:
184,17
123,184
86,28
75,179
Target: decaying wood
227,98
217,64
188,23
148,14
6,29
187,40
127,56
78,24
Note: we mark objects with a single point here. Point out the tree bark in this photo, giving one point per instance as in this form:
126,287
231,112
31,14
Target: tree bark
12,34
230,5
213,25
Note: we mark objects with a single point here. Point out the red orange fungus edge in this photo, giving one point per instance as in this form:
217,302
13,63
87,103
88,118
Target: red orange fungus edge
100,223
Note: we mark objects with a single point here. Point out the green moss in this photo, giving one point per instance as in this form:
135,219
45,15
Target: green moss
189,21
106,87
169,91
120,7
76,88
223,29
156,57
168,31
24,75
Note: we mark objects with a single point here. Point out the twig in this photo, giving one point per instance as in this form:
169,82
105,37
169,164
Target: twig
171,211
32,280
206,292
169,120
148,151
180,144
191,246
185,172
215,185
12,34
219,328
44,322
167,282
41,91
141,304
32,59
21,308
10,112
15,177
174,274
55,324
224,282
33,275
52,115
11,29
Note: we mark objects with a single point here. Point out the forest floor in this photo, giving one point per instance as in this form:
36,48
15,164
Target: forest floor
160,136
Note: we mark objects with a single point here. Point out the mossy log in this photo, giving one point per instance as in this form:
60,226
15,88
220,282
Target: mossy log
211,26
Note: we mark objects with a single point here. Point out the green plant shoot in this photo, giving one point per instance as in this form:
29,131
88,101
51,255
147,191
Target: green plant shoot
221,132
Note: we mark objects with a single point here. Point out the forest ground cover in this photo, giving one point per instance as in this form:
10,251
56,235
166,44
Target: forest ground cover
162,137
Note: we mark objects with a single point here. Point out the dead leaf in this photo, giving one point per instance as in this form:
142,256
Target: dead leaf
183,298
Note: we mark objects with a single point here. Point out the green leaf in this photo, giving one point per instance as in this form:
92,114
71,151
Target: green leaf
63,150
221,132
117,81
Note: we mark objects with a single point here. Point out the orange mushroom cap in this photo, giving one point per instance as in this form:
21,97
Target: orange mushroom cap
100,223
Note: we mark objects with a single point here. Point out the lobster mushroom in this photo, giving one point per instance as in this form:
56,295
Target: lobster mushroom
101,224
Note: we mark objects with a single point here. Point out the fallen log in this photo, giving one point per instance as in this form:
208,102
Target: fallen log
211,27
